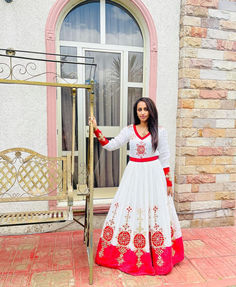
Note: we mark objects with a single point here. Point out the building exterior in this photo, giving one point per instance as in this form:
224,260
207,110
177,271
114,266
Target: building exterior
181,54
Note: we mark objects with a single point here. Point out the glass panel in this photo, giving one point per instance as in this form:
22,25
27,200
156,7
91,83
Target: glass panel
121,27
75,177
68,71
107,88
66,110
135,68
82,24
133,95
106,166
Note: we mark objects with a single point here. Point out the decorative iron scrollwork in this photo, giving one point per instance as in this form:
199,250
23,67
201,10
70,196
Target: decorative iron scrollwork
82,187
27,66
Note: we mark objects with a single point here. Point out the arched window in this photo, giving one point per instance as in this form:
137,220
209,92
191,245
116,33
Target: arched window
108,32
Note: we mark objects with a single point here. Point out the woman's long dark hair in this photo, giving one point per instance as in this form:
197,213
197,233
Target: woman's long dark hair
152,120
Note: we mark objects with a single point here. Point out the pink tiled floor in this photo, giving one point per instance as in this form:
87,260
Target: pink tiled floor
60,260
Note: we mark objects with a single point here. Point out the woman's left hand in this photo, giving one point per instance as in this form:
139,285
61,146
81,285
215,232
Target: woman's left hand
170,190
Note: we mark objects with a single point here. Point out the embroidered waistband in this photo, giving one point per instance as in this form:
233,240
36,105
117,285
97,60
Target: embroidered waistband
144,159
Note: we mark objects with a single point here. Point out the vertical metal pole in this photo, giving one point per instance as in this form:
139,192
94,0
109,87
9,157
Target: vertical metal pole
11,52
91,183
74,93
11,70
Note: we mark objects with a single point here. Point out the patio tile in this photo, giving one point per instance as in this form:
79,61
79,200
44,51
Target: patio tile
105,277
15,280
141,281
198,248
190,234
215,268
184,272
63,278
60,259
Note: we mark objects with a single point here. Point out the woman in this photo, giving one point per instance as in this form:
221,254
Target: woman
141,233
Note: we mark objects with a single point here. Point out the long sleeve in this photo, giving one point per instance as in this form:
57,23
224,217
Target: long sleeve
116,142
164,154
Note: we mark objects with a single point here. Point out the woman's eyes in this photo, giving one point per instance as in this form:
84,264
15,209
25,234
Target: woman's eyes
140,110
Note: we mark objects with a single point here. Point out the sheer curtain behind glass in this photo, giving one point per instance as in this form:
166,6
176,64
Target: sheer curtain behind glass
135,75
135,67
121,27
107,112
68,71
82,24
133,95
66,111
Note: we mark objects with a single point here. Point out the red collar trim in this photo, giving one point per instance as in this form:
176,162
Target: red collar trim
138,135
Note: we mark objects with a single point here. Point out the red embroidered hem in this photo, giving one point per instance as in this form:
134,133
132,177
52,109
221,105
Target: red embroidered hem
159,262
143,159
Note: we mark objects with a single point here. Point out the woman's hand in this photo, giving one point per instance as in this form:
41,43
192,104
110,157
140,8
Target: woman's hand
92,120
170,190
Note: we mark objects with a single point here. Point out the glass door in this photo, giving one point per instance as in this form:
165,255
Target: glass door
110,33
107,110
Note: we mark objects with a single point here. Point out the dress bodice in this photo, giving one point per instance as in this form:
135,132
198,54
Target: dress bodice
141,147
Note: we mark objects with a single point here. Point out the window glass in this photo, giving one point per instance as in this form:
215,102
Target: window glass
133,95
107,88
66,114
68,71
121,27
135,67
82,24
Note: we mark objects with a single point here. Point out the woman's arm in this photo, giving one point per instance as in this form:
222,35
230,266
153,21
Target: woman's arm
164,156
114,143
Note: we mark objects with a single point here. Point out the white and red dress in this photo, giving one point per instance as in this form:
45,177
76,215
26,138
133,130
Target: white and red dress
141,233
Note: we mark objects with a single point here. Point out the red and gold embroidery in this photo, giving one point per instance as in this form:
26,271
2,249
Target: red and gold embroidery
101,137
124,237
103,141
157,239
108,231
139,240
168,177
140,149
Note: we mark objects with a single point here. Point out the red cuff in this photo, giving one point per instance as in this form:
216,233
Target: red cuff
167,174
103,141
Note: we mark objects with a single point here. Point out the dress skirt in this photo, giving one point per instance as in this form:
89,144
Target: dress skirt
141,234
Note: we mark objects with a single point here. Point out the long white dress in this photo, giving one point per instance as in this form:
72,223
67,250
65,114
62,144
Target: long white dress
141,234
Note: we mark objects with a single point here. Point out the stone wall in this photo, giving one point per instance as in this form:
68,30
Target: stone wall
205,182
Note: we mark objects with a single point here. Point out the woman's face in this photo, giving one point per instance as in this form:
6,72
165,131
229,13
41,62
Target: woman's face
142,112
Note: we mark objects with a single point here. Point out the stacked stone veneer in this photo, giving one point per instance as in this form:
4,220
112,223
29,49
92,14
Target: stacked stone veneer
205,173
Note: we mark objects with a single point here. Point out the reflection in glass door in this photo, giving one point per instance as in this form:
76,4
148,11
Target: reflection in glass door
107,113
